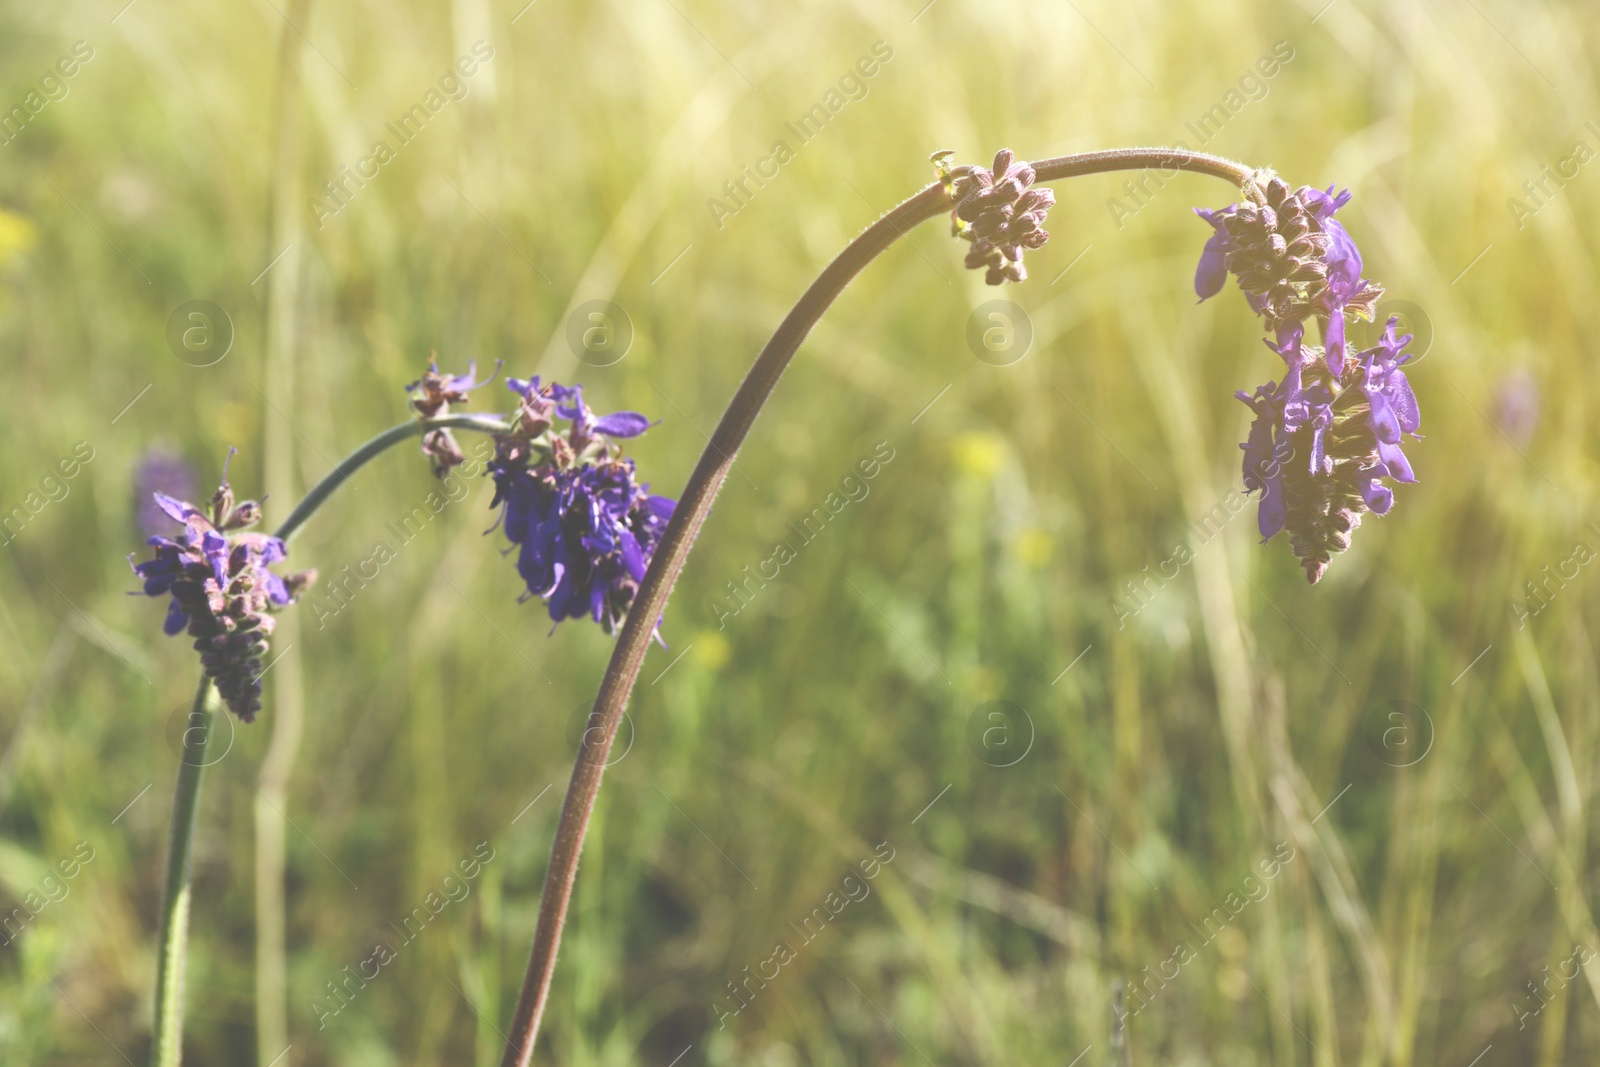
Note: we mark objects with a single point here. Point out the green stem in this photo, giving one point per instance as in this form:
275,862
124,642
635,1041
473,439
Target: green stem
168,1050
280,357
381,443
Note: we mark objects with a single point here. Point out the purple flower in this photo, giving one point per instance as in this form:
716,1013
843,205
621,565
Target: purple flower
583,526
586,426
1323,203
1302,405
1263,463
220,589
1392,407
1346,289
1212,270
1349,427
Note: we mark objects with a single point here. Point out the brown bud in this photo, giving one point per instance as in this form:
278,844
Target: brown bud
221,505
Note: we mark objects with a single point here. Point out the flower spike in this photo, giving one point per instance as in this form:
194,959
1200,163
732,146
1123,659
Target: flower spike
1328,434
220,590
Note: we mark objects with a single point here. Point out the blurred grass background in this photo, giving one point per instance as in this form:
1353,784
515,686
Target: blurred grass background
848,704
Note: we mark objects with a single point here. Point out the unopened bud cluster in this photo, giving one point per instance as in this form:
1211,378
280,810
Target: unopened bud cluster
998,213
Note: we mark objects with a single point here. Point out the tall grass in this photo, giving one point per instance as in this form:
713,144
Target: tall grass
825,717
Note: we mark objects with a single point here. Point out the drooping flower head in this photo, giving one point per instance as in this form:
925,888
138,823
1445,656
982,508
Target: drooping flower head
220,589
998,213
432,395
1327,435
584,527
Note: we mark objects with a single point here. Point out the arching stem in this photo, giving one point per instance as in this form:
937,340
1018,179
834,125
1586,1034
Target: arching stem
383,442
715,462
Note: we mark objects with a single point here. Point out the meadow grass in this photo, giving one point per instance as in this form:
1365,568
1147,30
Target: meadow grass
839,709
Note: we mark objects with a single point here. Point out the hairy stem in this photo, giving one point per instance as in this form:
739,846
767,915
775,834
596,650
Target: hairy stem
690,515
379,444
168,1048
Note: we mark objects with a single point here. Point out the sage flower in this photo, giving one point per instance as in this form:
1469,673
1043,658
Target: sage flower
1326,439
220,589
583,525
